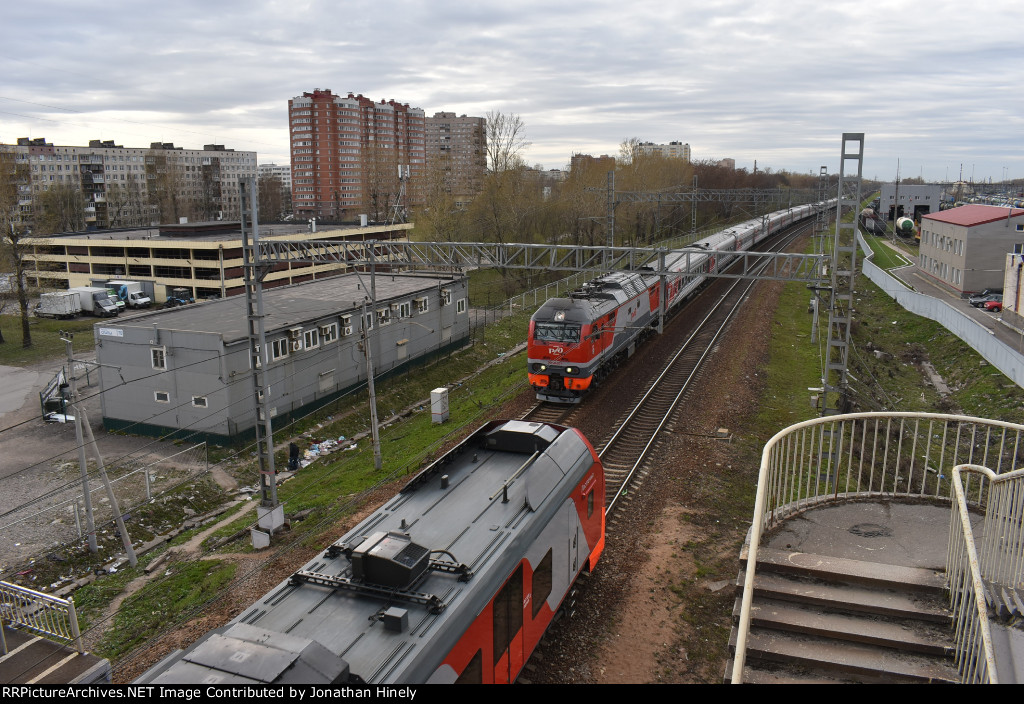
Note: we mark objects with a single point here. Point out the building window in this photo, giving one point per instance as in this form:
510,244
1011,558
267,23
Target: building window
328,333
199,401
383,316
312,339
460,305
158,356
368,322
404,310
280,349
161,397
446,296
421,304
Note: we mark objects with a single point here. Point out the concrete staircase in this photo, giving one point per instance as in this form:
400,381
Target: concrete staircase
821,619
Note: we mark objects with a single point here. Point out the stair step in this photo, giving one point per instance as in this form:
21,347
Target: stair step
840,569
850,598
780,674
864,661
785,617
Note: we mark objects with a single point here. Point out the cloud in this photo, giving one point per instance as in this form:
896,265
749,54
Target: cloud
933,83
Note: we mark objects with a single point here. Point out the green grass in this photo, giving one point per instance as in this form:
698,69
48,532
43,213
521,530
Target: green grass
885,257
46,342
407,446
164,601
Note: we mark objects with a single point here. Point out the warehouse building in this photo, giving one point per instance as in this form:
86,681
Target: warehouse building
187,371
965,248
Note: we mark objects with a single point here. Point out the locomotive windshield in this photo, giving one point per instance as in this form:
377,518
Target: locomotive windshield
556,332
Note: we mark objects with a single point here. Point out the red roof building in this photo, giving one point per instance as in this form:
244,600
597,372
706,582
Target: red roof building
965,248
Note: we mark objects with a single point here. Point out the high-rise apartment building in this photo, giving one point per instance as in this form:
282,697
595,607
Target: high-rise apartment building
346,153
673,150
134,187
456,155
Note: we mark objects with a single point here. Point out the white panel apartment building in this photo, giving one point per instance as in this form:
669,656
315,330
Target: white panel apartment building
138,187
672,150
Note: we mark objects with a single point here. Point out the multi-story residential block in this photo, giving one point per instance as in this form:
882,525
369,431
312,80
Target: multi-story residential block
457,154
137,187
672,150
282,199
580,162
281,173
346,153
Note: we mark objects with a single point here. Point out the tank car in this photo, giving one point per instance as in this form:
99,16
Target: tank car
574,342
455,579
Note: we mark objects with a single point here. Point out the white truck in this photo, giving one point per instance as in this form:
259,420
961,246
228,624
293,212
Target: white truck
59,304
131,293
96,301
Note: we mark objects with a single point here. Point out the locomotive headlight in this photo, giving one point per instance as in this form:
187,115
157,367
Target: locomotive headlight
542,367
570,370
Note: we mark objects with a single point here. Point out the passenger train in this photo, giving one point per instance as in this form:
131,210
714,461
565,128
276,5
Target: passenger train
574,342
454,580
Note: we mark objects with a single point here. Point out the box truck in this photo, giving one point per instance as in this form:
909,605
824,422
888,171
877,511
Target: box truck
96,301
59,304
131,292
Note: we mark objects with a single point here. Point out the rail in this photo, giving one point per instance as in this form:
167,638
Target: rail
43,613
998,559
869,455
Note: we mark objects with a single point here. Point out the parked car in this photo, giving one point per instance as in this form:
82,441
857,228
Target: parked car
979,301
994,306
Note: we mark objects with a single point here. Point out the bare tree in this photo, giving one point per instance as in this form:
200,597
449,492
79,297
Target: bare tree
14,177
60,208
506,140
271,197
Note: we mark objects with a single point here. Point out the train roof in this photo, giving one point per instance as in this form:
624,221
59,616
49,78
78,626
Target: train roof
389,600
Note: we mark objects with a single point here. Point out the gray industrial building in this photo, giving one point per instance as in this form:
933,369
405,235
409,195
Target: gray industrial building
911,201
965,248
187,370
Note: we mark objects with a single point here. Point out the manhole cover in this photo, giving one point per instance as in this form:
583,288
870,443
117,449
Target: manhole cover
871,530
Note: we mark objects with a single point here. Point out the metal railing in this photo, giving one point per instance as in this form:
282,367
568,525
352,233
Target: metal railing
42,613
869,455
999,559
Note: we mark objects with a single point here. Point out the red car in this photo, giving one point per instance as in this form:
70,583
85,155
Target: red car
994,306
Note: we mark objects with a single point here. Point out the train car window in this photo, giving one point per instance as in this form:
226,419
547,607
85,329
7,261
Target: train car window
508,613
556,332
474,672
590,504
541,588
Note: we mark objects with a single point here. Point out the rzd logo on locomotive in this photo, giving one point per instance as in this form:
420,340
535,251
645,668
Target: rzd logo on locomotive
556,350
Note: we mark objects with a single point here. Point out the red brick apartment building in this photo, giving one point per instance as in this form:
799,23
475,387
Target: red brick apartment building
346,153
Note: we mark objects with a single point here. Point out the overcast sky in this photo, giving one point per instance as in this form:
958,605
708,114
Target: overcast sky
935,84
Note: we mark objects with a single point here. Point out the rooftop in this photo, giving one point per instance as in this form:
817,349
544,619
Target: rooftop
971,215
283,306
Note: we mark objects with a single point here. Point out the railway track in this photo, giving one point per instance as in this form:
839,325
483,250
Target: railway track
637,433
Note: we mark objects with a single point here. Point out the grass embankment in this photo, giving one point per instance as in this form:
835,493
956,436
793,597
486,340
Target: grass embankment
885,256
46,342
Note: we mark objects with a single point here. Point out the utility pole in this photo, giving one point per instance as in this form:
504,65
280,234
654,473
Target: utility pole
90,526
82,421
375,432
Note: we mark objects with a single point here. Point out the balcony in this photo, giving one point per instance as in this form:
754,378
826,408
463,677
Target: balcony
885,547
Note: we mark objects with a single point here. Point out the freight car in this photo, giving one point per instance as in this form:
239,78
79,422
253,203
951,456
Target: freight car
455,579
574,342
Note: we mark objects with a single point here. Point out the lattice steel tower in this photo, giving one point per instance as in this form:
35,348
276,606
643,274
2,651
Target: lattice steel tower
844,269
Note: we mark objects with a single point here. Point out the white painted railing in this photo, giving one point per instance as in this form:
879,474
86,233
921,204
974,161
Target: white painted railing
42,613
998,560
869,455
